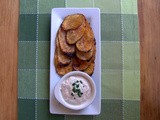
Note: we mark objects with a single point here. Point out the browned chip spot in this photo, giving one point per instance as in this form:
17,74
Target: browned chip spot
65,47
86,42
74,35
72,21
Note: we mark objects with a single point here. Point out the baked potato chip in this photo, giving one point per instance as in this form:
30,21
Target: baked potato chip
80,64
86,42
90,69
62,58
64,46
84,55
72,21
61,70
74,35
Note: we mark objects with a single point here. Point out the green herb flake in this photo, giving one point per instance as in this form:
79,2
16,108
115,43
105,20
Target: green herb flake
80,94
72,94
77,85
74,90
81,82
73,84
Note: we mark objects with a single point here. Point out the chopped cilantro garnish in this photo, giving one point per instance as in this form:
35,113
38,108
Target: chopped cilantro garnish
77,85
76,88
73,84
72,94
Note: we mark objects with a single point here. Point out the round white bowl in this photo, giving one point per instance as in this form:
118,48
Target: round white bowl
59,97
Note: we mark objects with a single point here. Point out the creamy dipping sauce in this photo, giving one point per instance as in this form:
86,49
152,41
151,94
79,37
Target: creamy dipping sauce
76,90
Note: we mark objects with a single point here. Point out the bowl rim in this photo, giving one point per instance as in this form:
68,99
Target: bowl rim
59,97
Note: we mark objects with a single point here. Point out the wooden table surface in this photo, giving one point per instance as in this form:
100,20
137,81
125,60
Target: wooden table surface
9,13
149,28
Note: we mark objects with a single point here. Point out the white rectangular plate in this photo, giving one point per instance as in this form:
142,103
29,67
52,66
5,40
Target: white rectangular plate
93,16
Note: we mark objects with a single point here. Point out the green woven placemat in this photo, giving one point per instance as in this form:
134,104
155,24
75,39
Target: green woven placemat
120,59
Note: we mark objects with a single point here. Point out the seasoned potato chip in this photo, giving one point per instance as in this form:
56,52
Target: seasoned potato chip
62,58
65,47
90,69
80,64
61,70
74,35
72,21
84,55
86,42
